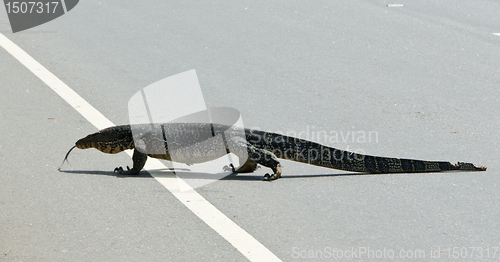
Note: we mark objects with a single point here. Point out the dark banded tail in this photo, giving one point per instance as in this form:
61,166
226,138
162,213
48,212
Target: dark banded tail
375,164
304,151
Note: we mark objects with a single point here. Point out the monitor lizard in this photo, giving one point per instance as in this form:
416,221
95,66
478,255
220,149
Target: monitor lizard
253,146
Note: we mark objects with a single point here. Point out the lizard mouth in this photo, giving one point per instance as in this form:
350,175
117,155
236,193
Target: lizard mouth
87,142
102,143
83,145
79,145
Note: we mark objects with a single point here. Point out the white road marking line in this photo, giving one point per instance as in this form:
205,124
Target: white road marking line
76,101
498,34
245,243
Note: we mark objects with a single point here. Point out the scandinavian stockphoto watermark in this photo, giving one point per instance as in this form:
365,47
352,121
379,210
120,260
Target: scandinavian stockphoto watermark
371,253
28,14
333,136
318,150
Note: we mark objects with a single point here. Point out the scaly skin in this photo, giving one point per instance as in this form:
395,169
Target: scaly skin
193,143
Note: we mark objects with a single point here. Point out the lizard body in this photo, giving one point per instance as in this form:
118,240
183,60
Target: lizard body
191,143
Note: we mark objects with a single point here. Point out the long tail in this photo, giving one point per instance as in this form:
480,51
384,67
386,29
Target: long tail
304,151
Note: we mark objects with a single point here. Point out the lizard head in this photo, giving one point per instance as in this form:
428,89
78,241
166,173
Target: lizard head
110,140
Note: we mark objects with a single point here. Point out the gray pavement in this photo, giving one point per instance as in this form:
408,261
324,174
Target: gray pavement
423,77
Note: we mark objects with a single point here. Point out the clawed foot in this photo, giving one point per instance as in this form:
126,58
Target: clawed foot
229,168
268,177
121,171
126,173
276,175
252,166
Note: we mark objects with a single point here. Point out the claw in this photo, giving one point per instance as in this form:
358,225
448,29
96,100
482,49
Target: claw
121,171
268,177
229,168
276,175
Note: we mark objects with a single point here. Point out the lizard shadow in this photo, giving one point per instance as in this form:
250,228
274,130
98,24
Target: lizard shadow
328,175
232,176
236,176
141,174
183,172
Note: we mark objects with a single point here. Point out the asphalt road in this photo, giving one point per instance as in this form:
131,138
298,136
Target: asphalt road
423,78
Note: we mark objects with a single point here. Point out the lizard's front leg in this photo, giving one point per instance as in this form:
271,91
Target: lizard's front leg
139,160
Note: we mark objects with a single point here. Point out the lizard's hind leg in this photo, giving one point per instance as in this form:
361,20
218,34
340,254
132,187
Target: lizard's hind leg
253,156
248,167
267,159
